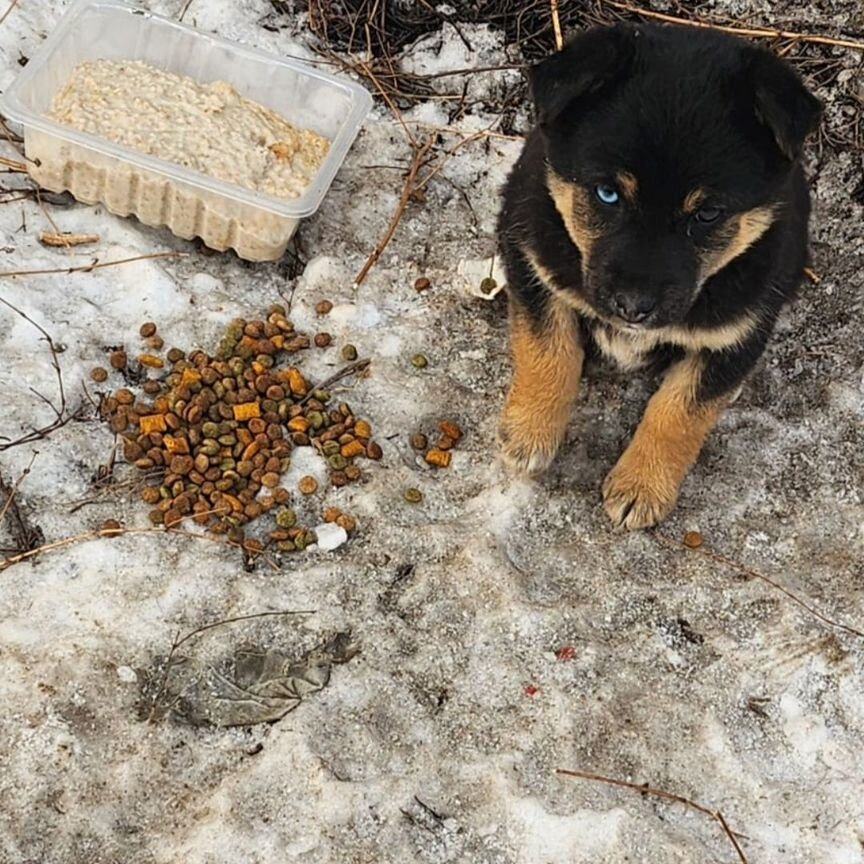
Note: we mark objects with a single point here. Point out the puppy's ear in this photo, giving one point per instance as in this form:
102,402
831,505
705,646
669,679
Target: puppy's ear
587,63
782,102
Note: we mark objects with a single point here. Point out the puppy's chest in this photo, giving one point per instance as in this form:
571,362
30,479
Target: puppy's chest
628,350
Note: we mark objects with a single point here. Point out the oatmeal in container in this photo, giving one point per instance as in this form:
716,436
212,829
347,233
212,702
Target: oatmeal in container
155,119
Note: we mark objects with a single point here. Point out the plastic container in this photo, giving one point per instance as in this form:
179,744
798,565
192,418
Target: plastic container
257,226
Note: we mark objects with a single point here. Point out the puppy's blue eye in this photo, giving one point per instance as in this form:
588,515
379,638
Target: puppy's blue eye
707,215
607,194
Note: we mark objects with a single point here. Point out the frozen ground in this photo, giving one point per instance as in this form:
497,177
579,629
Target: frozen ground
683,673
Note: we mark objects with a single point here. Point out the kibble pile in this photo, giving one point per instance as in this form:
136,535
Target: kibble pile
218,433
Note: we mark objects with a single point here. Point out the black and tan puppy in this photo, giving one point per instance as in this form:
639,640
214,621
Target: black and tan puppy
658,210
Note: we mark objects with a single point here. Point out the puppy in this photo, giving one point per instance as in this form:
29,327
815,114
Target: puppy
657,211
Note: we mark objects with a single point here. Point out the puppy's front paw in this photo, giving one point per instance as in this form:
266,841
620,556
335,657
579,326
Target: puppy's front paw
528,440
639,492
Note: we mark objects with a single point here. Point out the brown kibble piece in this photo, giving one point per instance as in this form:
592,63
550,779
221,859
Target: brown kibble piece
150,495
450,429
322,340
439,458
99,374
331,514
118,359
373,450
347,522
693,540
124,397
445,442
110,527
308,485
147,330
281,495
419,441
157,343
270,479
323,307
172,518
422,284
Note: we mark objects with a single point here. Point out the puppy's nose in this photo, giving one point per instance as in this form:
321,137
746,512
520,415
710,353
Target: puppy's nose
633,308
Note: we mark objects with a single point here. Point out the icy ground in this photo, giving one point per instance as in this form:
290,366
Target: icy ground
439,742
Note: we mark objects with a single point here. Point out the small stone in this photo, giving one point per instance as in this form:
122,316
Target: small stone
330,536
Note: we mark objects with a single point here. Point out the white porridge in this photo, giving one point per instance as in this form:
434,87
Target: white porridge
209,128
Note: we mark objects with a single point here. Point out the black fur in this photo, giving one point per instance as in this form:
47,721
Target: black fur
680,110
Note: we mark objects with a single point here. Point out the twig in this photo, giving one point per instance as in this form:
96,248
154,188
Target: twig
390,104
96,265
716,815
756,32
11,6
812,275
15,166
344,372
66,239
407,191
556,25
100,533
717,558
24,534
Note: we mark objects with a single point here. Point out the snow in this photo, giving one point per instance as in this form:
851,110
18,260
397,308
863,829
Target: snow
428,746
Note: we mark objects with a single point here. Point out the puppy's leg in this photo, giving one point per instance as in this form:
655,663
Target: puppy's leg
643,487
547,366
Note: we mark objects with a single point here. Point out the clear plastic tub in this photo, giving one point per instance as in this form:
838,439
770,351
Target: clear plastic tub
225,216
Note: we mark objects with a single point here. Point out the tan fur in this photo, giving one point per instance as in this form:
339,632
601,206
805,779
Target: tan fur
547,368
572,202
693,201
628,184
738,235
643,486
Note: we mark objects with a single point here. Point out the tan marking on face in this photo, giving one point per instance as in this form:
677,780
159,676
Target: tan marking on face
733,239
693,201
628,184
546,278
643,486
547,368
574,205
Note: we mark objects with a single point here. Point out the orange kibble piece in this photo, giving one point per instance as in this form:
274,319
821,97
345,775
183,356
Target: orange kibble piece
362,429
151,360
308,485
152,423
352,449
297,382
190,376
331,514
176,445
299,424
450,429
439,458
247,411
693,540
349,523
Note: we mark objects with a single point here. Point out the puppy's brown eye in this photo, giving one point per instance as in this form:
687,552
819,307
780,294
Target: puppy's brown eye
707,215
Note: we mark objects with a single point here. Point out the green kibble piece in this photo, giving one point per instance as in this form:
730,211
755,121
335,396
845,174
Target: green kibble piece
235,534
300,542
337,462
420,361
265,360
227,440
284,408
268,405
164,492
210,430
286,518
209,449
224,485
277,309
175,355
330,448
316,420
284,464
177,488
413,496
286,546
488,285
225,350
349,352
310,537
218,389
320,395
